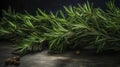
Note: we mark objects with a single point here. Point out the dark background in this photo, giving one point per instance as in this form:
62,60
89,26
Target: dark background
53,5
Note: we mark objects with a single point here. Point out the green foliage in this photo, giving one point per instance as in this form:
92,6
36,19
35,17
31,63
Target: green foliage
81,26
